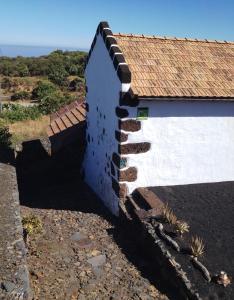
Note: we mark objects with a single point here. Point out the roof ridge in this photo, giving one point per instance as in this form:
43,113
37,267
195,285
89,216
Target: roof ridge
171,38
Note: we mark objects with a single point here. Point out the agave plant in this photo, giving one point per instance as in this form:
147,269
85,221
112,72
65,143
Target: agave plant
169,215
197,246
182,227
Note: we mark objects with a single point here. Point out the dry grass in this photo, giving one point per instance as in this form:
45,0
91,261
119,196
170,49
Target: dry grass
169,215
197,246
32,224
29,129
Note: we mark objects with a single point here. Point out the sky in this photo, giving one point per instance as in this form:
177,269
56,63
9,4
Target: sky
72,23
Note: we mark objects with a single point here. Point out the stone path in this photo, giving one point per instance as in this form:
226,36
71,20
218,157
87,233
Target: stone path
14,281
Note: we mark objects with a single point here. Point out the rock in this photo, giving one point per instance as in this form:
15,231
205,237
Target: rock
77,236
84,243
8,286
97,261
97,271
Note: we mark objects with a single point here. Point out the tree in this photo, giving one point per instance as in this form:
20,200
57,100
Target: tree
22,70
58,74
43,89
51,103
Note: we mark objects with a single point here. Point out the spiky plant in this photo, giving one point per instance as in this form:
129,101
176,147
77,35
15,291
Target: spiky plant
169,215
31,224
182,227
197,246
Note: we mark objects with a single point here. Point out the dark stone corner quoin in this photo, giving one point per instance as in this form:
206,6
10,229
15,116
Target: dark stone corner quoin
121,112
120,136
128,99
120,189
134,148
116,159
129,174
130,125
115,53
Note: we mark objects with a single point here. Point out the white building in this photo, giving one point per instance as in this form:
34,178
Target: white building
160,112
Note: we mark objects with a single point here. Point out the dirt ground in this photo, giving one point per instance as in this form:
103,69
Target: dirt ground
60,267
83,252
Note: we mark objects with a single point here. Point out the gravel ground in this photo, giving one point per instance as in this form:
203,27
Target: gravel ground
76,257
83,252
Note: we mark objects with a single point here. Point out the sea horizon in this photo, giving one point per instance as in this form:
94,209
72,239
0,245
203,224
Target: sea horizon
32,51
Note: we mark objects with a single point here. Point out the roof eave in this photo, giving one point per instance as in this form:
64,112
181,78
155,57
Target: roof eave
184,98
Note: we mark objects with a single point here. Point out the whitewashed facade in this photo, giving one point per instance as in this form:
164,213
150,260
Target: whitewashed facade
179,142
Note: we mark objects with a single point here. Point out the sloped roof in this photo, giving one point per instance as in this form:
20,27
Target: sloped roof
172,67
66,117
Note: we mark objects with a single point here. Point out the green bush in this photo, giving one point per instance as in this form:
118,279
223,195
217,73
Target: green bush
6,83
16,112
72,63
22,70
76,85
53,102
58,74
21,96
43,89
5,136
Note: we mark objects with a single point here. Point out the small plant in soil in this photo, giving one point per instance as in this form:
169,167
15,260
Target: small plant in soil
168,215
31,225
181,227
197,246
223,279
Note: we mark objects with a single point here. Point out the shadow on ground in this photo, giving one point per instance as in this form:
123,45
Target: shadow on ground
55,183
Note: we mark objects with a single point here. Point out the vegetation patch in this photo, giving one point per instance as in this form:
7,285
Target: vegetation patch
32,224
5,136
16,112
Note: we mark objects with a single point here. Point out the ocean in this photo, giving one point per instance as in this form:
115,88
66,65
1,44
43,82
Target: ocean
29,51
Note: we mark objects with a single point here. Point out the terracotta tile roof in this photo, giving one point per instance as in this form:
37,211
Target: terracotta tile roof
66,117
173,67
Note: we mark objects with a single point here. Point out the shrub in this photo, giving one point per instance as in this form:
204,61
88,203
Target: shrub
76,85
16,112
43,89
32,224
21,95
6,83
22,70
53,102
58,74
5,136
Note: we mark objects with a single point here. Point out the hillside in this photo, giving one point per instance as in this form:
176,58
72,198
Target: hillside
20,76
32,87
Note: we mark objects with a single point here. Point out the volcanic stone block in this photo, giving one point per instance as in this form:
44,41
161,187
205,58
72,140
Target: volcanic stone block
120,136
129,174
130,125
121,112
112,169
121,189
134,148
126,99
120,162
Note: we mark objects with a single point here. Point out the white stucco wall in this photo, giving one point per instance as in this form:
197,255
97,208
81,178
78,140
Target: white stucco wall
191,142
104,87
